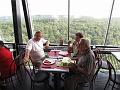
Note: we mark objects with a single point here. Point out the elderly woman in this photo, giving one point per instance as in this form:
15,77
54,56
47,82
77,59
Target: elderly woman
84,69
72,47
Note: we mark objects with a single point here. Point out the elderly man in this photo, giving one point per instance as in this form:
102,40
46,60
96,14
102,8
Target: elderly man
35,49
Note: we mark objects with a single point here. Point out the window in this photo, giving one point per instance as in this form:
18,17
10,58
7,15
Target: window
87,16
114,31
6,22
23,25
91,18
50,17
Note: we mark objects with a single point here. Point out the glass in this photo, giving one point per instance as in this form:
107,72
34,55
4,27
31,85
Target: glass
113,33
90,17
87,16
56,52
50,17
23,25
46,55
6,21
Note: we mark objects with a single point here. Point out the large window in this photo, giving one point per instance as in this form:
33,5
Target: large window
6,22
114,31
91,18
87,16
23,24
50,17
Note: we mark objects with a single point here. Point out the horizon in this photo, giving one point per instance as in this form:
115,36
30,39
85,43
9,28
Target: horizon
91,8
57,16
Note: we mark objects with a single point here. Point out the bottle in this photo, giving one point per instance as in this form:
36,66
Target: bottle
61,42
70,45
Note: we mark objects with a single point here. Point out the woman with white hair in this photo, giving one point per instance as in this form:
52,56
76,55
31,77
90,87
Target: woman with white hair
84,69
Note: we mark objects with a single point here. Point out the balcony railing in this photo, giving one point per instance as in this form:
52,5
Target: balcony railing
107,54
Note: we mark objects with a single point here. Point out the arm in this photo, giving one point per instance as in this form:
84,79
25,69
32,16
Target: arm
75,68
27,53
82,71
46,44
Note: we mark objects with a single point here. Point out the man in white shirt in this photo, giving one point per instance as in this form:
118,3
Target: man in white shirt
35,49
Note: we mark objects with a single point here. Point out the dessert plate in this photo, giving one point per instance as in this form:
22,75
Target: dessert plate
48,61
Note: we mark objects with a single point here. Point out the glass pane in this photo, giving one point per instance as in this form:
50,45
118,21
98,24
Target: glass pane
91,18
6,22
23,25
50,17
114,31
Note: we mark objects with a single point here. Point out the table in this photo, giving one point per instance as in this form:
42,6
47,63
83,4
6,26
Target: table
56,70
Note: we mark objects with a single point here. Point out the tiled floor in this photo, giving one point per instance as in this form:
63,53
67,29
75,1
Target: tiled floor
25,85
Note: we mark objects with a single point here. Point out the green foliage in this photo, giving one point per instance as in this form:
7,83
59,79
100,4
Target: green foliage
55,28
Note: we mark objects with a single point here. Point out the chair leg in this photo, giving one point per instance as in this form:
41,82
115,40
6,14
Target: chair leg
106,84
94,77
18,78
48,85
113,85
91,86
12,83
82,86
32,85
76,86
114,79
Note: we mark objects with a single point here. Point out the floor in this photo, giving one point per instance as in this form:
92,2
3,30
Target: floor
25,84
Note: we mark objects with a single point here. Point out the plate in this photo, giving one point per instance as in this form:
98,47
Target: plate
55,50
56,57
63,53
48,61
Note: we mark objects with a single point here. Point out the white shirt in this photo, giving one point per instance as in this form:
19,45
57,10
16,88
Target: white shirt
36,49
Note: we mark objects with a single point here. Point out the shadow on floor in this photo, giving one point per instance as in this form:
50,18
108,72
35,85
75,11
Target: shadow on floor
25,85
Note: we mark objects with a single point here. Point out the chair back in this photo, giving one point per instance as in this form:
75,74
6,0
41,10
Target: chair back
104,63
10,73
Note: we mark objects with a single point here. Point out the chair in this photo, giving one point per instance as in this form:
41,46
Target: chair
35,75
100,64
104,64
112,76
13,72
7,78
115,79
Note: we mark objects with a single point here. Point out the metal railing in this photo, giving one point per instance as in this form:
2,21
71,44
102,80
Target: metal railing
105,54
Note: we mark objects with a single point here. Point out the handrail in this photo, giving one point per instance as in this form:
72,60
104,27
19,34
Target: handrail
112,59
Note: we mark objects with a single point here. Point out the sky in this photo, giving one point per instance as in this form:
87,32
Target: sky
92,8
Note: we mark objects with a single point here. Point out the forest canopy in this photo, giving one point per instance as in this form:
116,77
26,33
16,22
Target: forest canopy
55,28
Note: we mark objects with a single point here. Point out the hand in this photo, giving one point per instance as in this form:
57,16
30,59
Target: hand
46,47
25,60
72,67
74,58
